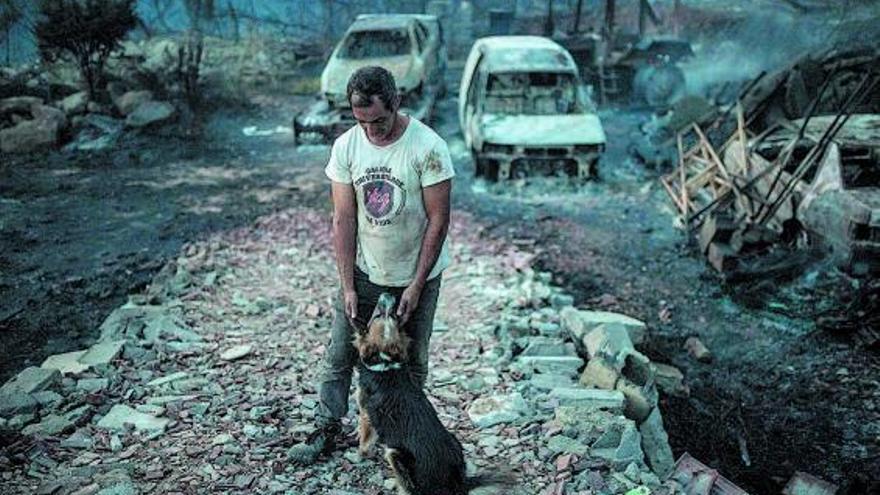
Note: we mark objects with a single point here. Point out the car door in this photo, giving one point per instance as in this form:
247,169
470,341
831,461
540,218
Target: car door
469,95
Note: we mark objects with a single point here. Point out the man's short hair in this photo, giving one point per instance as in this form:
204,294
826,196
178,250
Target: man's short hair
368,82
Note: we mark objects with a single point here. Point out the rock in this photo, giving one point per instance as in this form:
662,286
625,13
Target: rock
94,132
589,397
627,451
51,115
236,352
806,484
610,341
121,414
50,425
655,444
561,300
177,375
561,444
580,322
149,113
222,439
490,411
29,136
78,440
697,349
546,346
640,400
550,381
599,374
66,363
670,380
15,402
31,380
166,326
92,385
18,104
119,488
102,352
129,101
47,398
561,365
75,104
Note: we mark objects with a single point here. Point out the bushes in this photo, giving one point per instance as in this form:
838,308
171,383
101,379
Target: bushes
85,30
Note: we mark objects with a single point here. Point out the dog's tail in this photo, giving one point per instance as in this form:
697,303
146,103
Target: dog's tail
502,478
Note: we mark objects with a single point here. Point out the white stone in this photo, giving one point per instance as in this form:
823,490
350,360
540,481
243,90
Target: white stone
236,352
66,363
489,411
102,353
121,414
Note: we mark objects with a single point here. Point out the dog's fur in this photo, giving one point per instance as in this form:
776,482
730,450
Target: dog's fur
426,458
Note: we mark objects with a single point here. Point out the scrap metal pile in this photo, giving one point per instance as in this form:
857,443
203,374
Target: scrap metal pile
796,158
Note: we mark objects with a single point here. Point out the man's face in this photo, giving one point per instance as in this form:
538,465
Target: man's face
376,120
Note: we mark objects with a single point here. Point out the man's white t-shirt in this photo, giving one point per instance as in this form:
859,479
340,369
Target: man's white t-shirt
388,182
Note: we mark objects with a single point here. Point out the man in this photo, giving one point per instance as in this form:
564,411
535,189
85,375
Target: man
391,178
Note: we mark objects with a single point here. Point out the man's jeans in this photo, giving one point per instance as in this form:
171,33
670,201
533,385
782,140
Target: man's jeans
341,356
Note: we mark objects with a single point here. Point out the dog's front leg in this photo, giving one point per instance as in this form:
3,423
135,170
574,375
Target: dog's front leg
366,433
401,466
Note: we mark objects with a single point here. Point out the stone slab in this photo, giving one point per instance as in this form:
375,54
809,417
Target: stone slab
66,363
102,352
121,414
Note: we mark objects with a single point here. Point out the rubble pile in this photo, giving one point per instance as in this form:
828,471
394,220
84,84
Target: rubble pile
752,180
208,377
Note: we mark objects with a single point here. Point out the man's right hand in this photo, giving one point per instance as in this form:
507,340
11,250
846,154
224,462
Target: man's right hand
351,303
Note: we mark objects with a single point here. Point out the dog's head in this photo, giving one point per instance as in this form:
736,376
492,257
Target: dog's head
382,345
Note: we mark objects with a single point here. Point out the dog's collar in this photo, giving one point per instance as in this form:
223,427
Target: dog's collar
384,366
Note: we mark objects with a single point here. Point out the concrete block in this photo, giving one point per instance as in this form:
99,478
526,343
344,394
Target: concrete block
655,444
610,340
670,380
589,397
579,323
640,400
599,374
561,365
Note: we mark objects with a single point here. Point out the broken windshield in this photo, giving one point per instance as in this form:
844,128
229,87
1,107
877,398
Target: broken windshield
532,93
371,44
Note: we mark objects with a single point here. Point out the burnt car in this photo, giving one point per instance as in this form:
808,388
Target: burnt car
837,199
525,112
411,46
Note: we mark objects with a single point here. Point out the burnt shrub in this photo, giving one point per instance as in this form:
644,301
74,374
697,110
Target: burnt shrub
86,31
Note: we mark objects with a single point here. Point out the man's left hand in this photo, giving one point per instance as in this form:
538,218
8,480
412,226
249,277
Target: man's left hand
408,302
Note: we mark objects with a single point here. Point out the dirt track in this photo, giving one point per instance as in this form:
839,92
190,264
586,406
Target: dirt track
80,233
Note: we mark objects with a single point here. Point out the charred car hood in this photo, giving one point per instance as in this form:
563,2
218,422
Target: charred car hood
334,79
542,130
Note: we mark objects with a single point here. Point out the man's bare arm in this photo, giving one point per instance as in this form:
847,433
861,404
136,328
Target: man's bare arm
437,205
344,241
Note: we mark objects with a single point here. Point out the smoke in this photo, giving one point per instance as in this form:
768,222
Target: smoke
760,41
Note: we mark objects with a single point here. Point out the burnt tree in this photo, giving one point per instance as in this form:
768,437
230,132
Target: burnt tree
86,30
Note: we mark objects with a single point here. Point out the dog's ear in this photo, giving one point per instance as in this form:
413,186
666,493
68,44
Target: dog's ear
360,329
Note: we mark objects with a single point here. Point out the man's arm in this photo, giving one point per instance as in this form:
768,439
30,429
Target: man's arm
344,241
436,200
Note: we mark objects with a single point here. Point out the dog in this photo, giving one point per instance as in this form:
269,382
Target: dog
394,412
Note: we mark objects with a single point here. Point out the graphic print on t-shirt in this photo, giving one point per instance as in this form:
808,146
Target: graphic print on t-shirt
382,194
